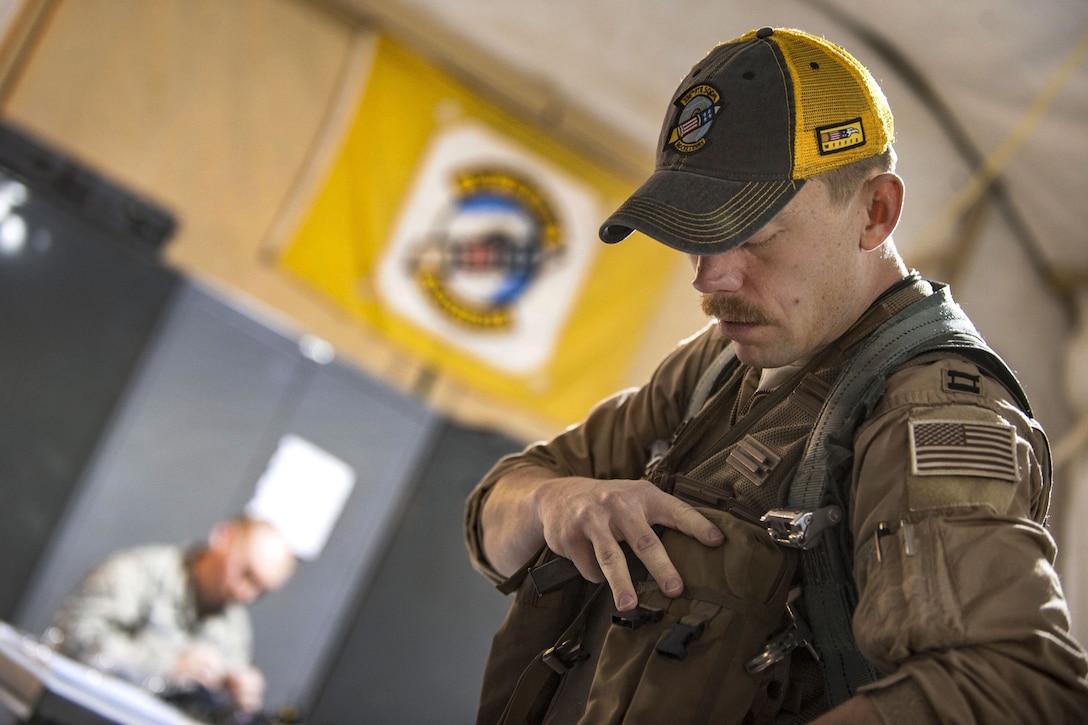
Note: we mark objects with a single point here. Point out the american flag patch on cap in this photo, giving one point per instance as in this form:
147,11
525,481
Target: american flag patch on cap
958,448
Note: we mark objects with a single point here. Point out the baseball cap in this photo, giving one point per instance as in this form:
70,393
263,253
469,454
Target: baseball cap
748,125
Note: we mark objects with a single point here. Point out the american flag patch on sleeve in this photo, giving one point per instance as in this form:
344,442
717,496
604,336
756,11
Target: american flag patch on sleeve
958,448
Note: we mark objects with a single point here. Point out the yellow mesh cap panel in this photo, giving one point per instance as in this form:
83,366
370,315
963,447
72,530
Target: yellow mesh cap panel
833,93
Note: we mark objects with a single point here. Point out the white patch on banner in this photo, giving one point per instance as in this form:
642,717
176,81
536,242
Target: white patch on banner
491,248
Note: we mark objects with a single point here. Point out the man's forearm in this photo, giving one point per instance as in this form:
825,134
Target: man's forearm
511,529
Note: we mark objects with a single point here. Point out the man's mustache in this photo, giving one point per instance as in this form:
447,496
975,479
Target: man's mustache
732,309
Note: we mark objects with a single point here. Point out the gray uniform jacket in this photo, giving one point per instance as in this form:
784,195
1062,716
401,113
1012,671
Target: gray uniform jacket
136,612
959,601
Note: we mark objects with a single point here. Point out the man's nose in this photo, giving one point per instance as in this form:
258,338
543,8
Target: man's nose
718,272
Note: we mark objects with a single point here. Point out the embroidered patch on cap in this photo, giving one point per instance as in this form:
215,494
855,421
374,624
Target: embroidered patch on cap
958,448
698,109
841,137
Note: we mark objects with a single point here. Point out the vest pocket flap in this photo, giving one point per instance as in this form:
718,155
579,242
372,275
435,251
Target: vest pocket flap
748,567
669,668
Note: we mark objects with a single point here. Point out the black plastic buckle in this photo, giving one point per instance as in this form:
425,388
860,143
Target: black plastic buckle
551,575
637,617
674,645
564,655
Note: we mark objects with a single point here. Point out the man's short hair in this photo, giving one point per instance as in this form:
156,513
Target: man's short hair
842,182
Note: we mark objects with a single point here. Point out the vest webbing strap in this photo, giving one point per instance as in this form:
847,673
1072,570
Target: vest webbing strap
829,592
708,380
933,323
539,671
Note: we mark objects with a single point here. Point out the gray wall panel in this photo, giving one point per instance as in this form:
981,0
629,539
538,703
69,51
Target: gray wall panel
385,438
416,648
77,305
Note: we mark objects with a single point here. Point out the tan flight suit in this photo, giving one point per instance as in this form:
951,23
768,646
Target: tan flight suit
960,605
136,612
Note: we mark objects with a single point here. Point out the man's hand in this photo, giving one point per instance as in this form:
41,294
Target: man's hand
200,663
204,664
246,686
585,520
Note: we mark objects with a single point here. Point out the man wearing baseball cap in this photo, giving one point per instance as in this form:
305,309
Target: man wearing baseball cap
841,406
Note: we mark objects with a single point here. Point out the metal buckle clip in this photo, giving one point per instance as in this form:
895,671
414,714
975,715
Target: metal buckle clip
795,634
564,655
800,529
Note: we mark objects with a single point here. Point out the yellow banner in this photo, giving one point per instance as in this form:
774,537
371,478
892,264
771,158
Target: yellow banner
468,237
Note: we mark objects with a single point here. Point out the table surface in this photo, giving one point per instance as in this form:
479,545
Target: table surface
32,673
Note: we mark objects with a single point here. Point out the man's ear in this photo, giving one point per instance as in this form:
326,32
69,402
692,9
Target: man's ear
884,197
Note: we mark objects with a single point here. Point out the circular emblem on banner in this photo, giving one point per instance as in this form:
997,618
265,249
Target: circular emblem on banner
487,249
698,109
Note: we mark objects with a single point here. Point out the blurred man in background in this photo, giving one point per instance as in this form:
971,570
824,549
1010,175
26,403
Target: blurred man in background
173,619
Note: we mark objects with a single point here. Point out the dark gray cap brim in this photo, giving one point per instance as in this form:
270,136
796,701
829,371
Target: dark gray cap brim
698,214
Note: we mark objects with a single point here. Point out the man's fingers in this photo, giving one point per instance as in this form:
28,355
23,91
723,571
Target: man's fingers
648,548
689,521
585,560
613,565
591,522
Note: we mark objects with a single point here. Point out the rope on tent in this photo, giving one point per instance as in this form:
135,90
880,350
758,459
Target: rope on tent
992,165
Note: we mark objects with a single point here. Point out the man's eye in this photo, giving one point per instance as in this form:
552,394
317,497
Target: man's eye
760,243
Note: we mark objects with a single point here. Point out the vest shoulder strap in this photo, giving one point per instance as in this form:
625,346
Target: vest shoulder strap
935,323
709,380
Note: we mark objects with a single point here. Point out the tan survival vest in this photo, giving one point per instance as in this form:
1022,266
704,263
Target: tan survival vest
771,469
